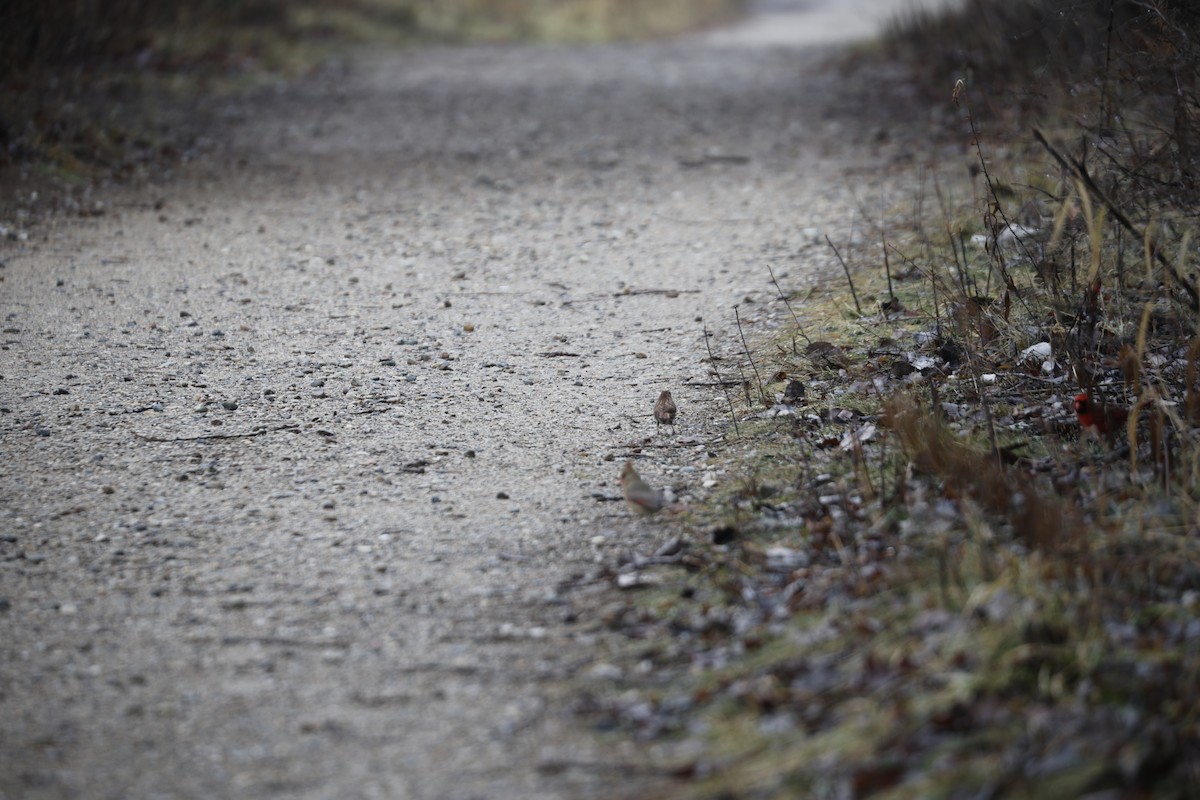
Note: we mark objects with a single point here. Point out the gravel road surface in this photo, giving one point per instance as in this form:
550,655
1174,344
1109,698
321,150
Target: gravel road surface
310,455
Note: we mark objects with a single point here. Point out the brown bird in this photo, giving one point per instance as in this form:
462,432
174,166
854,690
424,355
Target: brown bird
664,411
638,494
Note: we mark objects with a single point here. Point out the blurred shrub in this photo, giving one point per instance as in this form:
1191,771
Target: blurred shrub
51,33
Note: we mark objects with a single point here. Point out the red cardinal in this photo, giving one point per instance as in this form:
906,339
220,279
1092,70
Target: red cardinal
1103,418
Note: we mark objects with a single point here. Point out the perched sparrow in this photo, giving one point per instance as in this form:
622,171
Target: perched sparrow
664,411
1100,417
638,494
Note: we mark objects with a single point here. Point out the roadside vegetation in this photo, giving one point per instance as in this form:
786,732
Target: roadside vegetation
933,572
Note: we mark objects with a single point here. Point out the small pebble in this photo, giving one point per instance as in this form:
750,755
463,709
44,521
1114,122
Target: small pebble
229,405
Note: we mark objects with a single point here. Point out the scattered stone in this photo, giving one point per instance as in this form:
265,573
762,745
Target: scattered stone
723,535
672,546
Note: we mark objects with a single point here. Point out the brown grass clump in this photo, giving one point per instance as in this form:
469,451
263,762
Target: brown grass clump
1045,522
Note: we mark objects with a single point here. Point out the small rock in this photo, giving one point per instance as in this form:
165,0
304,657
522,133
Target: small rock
673,546
229,405
793,393
604,672
723,535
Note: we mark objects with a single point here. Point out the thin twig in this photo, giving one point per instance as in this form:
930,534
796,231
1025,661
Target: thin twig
783,297
887,268
1081,172
761,391
668,292
846,269
960,91
205,436
724,386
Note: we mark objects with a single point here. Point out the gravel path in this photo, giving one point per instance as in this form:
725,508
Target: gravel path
307,457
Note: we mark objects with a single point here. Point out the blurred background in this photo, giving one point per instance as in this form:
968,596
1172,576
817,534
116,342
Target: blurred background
238,33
